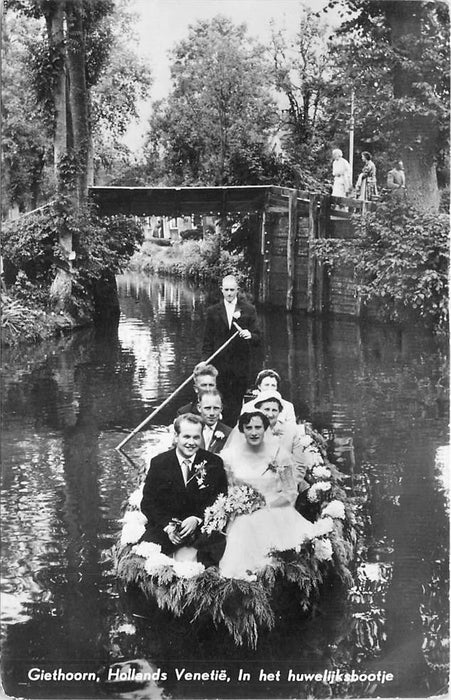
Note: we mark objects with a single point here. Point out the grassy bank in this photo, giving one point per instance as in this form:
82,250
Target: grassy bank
197,260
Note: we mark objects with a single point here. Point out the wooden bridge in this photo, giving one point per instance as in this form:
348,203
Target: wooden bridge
286,223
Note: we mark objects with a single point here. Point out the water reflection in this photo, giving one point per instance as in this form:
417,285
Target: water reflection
68,403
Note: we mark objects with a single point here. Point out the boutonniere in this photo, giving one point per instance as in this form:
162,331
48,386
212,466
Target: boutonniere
274,466
236,314
218,434
200,472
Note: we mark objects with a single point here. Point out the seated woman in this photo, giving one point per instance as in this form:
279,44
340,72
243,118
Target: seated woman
256,459
269,380
303,448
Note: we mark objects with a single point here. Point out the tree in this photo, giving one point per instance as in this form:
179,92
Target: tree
123,82
302,71
67,58
214,127
25,146
396,54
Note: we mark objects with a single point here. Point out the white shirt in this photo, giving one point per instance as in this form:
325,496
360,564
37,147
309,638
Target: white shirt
208,432
184,469
230,310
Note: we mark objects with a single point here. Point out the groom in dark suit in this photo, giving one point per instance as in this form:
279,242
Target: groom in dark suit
179,485
233,363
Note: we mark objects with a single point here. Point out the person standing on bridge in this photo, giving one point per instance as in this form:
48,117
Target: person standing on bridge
396,180
341,170
233,363
366,186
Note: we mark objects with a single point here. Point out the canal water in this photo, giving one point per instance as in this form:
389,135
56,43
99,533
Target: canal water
69,402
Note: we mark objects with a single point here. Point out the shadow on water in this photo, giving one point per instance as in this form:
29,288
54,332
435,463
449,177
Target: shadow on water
67,404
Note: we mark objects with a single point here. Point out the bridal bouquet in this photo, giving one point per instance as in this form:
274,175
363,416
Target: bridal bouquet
240,500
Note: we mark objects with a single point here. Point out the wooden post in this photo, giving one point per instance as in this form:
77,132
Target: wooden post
324,213
291,356
264,259
291,245
312,232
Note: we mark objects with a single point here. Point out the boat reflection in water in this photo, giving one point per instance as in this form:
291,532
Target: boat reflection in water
69,402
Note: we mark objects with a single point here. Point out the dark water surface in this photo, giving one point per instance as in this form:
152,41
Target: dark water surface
68,403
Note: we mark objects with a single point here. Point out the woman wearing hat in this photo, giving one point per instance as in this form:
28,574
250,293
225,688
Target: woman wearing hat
269,380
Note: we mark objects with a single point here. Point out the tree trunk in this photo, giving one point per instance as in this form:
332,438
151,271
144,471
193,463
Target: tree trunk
56,40
404,17
78,93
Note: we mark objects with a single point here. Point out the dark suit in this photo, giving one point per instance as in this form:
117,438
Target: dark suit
217,442
233,363
165,496
189,408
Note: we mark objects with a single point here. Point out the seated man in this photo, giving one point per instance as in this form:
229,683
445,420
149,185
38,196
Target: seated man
179,485
204,379
214,433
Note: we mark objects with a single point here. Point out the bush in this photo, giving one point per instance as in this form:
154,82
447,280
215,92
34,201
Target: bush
20,322
401,260
191,234
199,260
103,245
159,242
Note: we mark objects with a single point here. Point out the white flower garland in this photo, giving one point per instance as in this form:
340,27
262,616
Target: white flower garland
323,549
155,561
321,472
322,527
334,509
316,489
133,528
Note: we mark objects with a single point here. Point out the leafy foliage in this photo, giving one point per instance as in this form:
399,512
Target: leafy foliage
214,127
243,607
102,246
302,73
123,79
25,144
199,260
396,56
24,322
401,260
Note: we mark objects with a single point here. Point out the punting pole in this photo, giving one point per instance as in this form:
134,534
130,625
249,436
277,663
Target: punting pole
166,401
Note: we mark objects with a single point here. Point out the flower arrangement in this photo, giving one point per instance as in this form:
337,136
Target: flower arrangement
155,561
322,549
136,497
334,509
240,500
236,314
317,490
321,472
323,526
134,527
183,587
219,435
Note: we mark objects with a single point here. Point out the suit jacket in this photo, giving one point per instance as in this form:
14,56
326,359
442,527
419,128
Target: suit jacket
235,358
165,495
218,441
188,408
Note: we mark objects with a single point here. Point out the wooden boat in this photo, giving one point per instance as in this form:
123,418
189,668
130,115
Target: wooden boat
245,607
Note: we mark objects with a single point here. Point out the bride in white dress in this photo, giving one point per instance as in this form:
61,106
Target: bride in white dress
256,458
